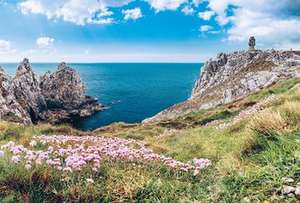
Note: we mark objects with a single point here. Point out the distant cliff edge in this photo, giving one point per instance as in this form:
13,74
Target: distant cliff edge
229,77
55,97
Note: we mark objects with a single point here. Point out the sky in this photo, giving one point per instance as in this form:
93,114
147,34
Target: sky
142,30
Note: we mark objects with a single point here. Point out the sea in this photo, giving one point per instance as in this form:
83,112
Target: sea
130,91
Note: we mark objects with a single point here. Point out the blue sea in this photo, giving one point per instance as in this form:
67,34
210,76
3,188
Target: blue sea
131,91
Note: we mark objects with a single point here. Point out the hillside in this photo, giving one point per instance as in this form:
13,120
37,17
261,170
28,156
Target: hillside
247,150
229,77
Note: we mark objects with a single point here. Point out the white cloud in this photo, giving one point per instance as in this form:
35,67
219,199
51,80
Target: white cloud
206,15
268,20
205,28
161,5
267,28
197,2
133,14
44,42
5,47
187,10
74,11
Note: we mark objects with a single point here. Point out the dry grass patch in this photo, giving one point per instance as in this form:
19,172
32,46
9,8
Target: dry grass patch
267,122
290,111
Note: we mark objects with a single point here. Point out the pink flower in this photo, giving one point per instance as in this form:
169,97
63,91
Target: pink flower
196,172
67,169
15,159
33,143
90,181
28,166
1,153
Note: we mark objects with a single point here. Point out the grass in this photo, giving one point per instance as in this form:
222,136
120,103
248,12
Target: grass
250,158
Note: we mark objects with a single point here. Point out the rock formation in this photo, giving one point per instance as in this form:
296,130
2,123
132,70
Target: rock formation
10,109
25,86
64,94
229,77
55,97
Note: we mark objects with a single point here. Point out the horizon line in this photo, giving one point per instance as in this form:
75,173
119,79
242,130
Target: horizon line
118,62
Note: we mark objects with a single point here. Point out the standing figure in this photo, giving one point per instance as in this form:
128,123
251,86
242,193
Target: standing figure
251,43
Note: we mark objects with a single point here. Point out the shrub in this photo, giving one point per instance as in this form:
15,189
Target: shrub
268,122
290,111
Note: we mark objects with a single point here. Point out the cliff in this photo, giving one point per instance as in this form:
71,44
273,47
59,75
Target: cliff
229,77
55,97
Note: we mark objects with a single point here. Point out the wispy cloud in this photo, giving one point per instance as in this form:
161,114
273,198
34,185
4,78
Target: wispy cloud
132,14
5,47
74,11
275,23
162,5
44,42
206,15
188,10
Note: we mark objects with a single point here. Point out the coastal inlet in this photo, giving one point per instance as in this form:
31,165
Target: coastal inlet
131,92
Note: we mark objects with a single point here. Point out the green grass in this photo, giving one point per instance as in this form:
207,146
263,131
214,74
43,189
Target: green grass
250,158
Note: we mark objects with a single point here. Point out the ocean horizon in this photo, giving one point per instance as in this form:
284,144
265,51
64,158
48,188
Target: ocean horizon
130,92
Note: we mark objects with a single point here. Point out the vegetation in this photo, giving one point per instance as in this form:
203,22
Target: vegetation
251,158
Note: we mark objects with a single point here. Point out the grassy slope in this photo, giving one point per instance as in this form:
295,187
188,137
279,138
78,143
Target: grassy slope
250,158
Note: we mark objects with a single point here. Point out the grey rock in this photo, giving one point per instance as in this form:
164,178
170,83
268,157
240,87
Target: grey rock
55,97
229,77
297,191
27,91
10,109
288,189
246,200
288,180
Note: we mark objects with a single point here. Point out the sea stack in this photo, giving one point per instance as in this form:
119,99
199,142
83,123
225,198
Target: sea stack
55,97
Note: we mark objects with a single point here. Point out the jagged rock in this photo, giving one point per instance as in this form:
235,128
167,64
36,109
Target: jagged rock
65,96
27,91
10,109
229,77
57,97
63,88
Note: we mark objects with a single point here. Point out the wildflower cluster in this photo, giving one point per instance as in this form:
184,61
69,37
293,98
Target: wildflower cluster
249,111
73,153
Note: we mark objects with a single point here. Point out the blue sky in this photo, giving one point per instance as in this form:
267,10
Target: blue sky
142,30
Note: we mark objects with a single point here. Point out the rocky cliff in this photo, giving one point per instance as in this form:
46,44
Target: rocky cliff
229,77
55,97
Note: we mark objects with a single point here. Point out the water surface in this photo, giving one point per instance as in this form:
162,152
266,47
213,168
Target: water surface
132,91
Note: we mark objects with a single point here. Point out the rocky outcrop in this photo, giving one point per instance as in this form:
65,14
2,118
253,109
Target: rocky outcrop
10,109
55,97
229,77
25,87
65,96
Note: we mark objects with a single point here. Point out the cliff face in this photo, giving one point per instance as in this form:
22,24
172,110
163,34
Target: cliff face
55,97
229,77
